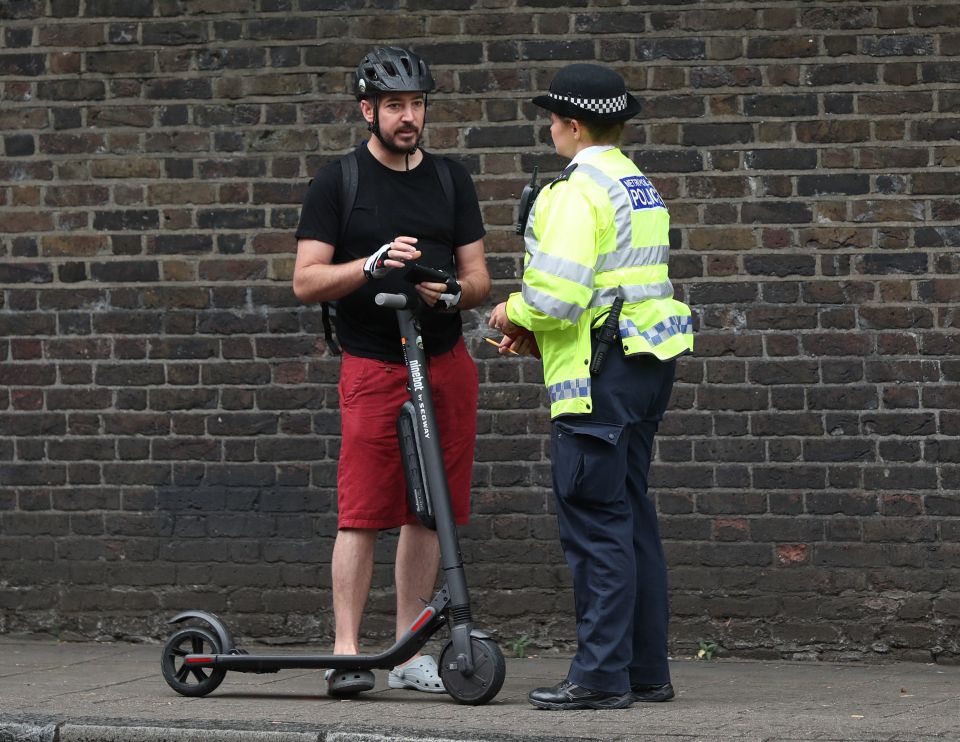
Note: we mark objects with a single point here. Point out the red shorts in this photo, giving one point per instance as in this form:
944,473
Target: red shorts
371,488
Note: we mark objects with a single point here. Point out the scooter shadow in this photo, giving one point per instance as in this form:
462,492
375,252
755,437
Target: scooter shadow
368,697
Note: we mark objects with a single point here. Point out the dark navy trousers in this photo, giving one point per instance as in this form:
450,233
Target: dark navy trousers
608,525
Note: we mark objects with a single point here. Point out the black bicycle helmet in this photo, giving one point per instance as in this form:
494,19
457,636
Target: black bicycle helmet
390,69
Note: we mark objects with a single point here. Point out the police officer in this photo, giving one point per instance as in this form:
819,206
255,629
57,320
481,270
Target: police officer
596,254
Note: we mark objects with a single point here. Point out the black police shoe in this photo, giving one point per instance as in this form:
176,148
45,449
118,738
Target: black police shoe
652,693
567,696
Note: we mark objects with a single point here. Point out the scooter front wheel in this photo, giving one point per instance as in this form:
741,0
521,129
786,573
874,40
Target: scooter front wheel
186,680
489,671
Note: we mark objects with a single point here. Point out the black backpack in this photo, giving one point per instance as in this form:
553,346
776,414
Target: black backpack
350,183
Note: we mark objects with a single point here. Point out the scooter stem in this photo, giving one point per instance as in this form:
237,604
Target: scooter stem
451,559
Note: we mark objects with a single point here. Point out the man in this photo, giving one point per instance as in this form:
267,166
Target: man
597,244
402,212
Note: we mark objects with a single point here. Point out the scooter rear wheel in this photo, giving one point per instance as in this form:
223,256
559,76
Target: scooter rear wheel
186,680
489,671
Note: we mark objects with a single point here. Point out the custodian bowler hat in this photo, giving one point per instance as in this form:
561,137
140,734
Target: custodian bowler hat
589,92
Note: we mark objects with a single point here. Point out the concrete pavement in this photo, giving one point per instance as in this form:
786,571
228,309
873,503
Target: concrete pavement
103,692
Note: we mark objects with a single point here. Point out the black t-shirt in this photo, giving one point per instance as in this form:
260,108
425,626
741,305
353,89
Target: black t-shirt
389,204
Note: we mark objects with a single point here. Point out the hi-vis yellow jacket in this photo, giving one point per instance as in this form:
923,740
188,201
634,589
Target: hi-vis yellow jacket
597,232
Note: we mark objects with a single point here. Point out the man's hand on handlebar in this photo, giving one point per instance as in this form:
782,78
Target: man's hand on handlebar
390,256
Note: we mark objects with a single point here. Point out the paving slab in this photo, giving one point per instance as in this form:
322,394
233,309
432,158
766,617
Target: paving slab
81,692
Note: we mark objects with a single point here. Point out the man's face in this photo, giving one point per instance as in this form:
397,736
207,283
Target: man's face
401,119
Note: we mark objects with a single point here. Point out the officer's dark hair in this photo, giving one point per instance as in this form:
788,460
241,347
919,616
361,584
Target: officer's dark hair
602,132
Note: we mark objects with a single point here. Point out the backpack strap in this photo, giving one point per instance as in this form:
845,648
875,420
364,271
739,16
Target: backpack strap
350,182
446,180
326,308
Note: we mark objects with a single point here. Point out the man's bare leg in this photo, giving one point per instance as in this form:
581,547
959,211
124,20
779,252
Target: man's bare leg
418,557
352,567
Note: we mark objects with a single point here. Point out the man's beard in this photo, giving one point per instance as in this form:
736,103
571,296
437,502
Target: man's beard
391,142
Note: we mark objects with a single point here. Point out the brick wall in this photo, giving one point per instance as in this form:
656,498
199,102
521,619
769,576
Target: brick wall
168,416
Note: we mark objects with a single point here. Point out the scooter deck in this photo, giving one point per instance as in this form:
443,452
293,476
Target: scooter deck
426,625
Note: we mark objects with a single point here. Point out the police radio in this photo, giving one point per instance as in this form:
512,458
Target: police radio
527,197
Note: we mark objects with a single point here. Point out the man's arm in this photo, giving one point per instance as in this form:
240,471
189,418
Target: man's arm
316,278
472,275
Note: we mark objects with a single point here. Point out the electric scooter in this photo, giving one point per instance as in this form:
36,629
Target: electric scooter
195,659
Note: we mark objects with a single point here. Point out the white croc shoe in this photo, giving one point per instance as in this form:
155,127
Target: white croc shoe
419,674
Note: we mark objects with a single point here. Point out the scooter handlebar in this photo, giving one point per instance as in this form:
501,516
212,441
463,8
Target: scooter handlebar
392,301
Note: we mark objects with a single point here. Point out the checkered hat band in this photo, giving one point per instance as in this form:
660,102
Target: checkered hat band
597,105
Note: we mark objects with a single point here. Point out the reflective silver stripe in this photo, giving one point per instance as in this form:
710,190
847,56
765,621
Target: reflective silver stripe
605,297
660,332
562,268
530,242
551,305
553,265
569,389
633,257
622,209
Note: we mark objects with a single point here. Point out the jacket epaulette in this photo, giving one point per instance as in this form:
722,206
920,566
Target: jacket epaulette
564,175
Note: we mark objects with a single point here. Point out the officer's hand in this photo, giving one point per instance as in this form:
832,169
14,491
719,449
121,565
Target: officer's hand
523,344
391,255
499,321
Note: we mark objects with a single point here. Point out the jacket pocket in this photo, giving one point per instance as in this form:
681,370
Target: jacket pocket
589,462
